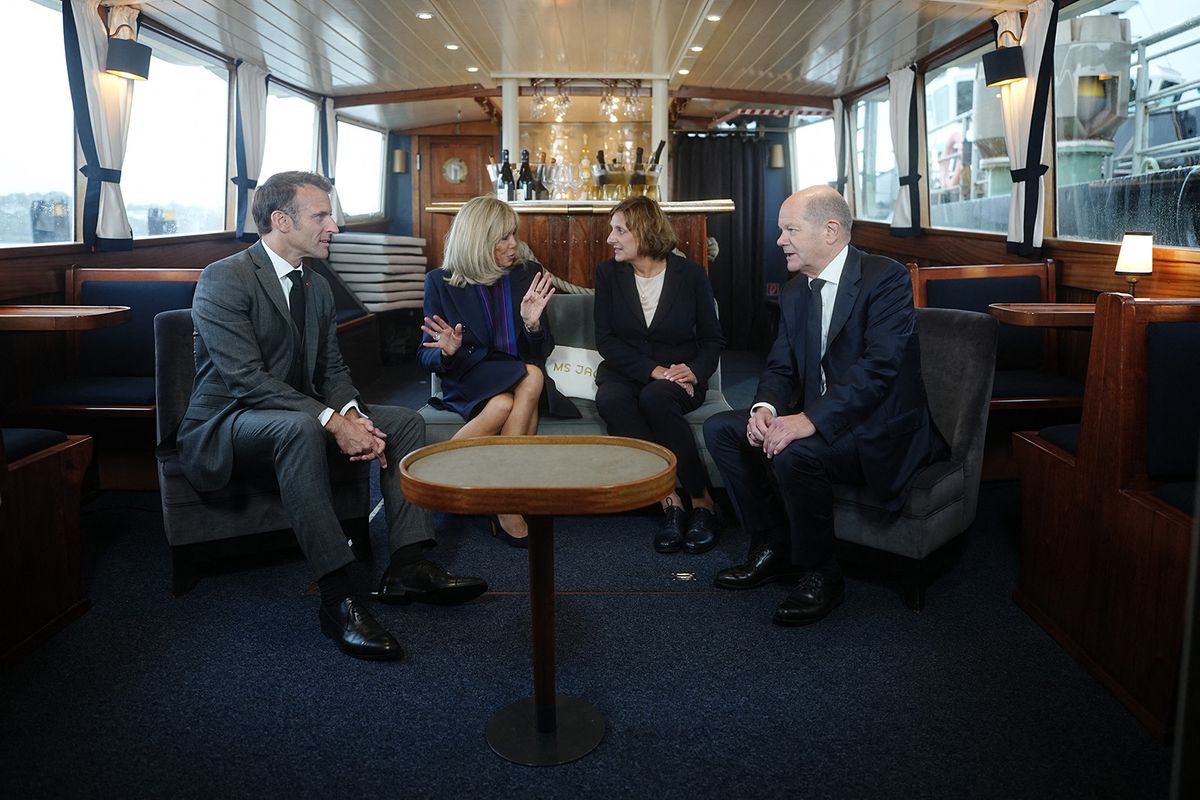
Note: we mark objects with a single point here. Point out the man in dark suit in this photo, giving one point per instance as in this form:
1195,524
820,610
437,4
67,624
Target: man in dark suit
841,400
272,393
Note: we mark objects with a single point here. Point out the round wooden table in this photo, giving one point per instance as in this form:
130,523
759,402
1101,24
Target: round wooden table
540,476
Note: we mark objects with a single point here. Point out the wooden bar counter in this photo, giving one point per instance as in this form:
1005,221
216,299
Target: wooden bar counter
569,236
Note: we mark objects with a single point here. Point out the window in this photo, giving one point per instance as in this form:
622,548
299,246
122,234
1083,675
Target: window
819,162
291,138
37,140
1114,175
174,180
360,160
969,181
878,181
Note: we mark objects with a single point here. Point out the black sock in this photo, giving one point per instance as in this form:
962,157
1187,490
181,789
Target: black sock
335,587
407,554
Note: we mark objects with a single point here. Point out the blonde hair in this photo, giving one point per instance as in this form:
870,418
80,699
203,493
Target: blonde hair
470,254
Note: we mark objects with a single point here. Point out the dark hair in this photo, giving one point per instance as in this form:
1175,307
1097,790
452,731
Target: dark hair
278,193
649,225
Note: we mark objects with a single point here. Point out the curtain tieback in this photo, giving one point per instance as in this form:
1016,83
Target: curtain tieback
910,180
1025,173
101,173
244,183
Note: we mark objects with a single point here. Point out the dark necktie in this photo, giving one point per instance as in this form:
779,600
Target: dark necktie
296,299
812,343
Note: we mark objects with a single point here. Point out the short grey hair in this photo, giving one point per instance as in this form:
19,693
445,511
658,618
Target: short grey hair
470,253
829,205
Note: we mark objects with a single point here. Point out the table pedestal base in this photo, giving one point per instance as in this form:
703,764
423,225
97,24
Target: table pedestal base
513,732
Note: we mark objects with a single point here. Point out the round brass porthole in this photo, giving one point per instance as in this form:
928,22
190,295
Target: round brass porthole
454,170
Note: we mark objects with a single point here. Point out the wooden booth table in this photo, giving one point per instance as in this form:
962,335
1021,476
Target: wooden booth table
540,476
61,318
1045,315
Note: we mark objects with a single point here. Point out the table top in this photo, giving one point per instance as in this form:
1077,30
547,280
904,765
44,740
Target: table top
538,475
1045,315
61,318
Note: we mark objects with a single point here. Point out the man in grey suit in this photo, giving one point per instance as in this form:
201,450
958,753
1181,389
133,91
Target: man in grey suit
272,392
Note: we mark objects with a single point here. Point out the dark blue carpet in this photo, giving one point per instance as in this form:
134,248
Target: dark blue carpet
231,690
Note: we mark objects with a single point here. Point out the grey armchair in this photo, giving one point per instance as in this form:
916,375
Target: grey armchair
958,356
204,525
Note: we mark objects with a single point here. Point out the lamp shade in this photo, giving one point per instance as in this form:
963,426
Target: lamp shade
776,160
1005,65
1137,254
128,59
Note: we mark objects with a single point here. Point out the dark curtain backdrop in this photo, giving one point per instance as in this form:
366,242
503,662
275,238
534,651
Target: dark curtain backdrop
730,166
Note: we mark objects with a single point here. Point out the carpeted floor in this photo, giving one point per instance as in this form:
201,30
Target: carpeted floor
232,691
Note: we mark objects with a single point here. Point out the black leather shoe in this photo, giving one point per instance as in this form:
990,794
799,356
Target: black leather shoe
820,591
357,632
425,582
763,565
702,531
670,536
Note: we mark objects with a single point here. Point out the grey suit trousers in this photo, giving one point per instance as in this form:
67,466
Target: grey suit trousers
297,449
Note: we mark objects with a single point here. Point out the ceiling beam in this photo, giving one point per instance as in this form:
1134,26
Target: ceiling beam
745,96
471,90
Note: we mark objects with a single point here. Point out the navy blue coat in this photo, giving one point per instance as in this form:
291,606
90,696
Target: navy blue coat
474,373
874,389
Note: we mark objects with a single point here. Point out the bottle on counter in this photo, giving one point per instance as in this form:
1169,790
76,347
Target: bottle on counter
652,172
506,187
525,190
600,176
637,179
540,190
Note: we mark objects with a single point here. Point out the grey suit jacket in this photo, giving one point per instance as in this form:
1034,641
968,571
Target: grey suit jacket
245,345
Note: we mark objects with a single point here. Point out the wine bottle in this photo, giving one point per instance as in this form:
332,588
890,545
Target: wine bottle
658,152
637,181
600,175
540,190
525,178
506,187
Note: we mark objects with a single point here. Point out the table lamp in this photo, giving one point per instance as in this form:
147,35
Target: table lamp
1136,258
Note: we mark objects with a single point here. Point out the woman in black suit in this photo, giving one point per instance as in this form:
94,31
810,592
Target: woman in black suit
657,329
485,333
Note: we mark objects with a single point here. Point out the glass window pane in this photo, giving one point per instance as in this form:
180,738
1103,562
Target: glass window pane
1116,173
360,155
37,139
969,181
174,176
878,181
814,160
291,140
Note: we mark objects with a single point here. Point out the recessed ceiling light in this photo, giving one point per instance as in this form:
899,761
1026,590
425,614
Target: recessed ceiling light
695,48
424,15
684,71
713,18
451,46
472,69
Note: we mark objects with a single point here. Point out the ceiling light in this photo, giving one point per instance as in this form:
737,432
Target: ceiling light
695,48
424,15
472,69
451,46
684,71
713,18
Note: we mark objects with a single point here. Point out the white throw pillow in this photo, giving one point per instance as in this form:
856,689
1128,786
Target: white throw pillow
573,370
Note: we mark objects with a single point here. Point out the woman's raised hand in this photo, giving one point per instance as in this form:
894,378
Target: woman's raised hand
442,335
534,301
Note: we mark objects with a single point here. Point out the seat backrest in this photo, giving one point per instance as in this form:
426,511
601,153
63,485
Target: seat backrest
958,354
975,287
175,369
1172,389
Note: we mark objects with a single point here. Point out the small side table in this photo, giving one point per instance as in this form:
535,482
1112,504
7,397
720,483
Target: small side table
540,476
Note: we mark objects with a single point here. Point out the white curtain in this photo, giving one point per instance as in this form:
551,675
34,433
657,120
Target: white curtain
249,141
843,144
906,143
1025,106
327,156
102,105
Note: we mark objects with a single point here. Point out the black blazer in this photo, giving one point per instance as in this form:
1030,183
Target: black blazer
685,329
873,383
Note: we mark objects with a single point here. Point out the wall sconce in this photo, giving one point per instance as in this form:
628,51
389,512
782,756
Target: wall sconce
1136,258
1004,64
127,58
776,161
399,160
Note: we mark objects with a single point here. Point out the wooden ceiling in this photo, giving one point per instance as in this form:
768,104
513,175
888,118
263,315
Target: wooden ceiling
758,49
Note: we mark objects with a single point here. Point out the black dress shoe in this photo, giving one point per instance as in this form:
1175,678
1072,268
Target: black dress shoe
702,531
670,536
820,591
357,632
763,565
425,582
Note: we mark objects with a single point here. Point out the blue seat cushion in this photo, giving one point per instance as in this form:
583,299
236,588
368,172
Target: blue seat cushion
1181,494
1063,436
21,442
1017,348
1034,383
128,349
91,390
1172,386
